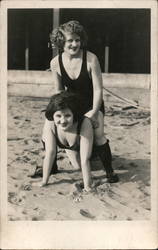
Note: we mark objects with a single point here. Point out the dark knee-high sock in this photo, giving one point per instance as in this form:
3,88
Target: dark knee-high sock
104,153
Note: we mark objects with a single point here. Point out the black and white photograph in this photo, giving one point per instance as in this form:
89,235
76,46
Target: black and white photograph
80,116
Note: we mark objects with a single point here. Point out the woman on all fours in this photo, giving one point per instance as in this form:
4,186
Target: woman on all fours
78,71
66,128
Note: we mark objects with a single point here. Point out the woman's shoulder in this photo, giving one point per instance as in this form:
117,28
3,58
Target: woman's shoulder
54,63
49,125
91,57
48,130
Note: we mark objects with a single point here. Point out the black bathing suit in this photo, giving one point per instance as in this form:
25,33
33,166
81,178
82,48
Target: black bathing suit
76,145
82,86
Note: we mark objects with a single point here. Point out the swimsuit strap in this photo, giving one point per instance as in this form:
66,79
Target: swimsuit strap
85,59
63,72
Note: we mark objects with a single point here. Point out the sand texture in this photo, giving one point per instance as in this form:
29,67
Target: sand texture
128,130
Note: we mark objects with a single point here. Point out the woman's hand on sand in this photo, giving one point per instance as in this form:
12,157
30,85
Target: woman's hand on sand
43,184
87,190
39,184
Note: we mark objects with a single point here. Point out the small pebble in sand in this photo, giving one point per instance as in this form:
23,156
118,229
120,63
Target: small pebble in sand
34,218
24,212
36,208
129,218
61,193
86,213
26,187
133,177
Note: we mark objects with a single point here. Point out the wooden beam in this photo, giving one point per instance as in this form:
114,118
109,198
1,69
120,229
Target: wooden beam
112,80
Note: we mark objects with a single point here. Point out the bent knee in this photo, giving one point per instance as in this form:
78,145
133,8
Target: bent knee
99,138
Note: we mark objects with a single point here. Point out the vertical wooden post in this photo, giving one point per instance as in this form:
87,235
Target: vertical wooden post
55,18
106,67
27,58
55,25
26,46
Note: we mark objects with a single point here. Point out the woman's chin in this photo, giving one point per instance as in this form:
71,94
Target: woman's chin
65,128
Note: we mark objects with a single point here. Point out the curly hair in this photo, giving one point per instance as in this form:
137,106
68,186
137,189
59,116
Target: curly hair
64,100
57,37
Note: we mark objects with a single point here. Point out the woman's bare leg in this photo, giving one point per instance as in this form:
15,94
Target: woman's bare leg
99,136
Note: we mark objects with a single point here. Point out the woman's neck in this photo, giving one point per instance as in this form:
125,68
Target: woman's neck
70,57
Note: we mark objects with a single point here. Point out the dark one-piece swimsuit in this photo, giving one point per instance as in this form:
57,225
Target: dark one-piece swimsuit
82,86
76,145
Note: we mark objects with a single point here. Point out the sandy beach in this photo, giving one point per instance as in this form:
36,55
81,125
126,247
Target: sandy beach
128,130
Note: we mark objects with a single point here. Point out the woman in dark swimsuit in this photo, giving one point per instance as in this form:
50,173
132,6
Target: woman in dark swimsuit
66,128
77,70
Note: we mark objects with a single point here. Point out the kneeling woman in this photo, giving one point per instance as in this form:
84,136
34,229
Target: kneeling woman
66,128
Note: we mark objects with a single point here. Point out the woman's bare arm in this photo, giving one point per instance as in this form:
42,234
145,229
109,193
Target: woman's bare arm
56,74
96,75
50,150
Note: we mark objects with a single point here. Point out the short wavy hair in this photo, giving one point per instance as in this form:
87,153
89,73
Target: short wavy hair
64,100
57,37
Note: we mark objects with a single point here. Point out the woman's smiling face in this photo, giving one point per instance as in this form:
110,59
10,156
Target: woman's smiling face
63,119
72,43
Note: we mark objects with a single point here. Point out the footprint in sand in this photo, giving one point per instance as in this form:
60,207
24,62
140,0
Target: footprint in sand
26,158
13,218
17,117
15,198
26,142
76,189
36,140
75,192
35,218
140,142
36,152
13,177
121,167
132,164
